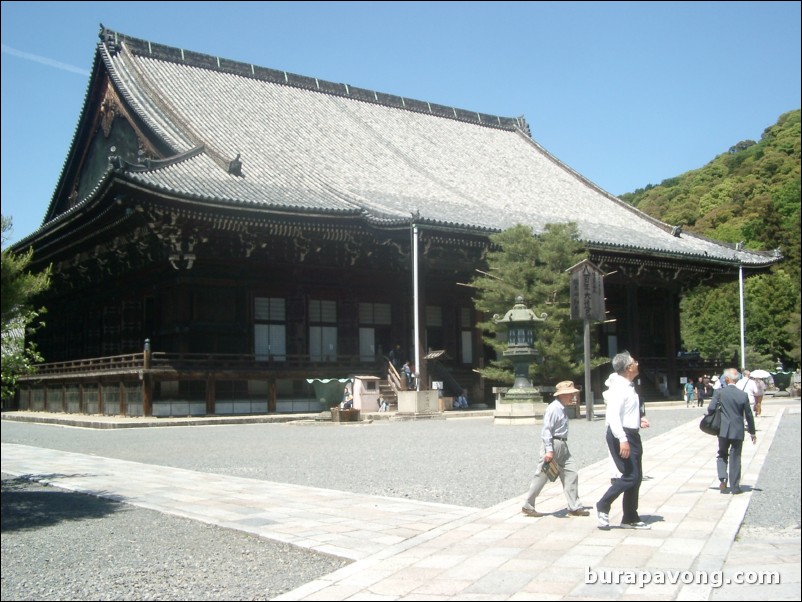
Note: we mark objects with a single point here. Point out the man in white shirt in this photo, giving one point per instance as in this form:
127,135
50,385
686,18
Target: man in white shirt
554,450
747,385
624,420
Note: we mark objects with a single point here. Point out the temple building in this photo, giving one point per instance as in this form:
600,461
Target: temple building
224,233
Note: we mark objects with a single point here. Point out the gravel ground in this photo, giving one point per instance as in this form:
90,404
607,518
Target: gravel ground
775,503
58,545
469,462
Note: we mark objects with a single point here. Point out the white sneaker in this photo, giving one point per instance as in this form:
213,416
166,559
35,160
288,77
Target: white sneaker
603,518
636,525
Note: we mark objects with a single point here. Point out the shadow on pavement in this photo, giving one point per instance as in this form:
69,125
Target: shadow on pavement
26,504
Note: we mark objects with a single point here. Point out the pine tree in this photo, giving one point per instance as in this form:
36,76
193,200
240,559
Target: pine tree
18,318
533,267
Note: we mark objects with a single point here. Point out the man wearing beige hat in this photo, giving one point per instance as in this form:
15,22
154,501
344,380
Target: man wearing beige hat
554,450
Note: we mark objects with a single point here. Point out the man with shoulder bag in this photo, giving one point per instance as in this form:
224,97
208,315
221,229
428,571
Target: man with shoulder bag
734,409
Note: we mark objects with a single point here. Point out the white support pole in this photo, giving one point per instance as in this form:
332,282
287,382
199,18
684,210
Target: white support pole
741,296
415,301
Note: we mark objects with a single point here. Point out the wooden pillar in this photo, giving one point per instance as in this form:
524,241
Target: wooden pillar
672,340
210,394
633,320
121,389
271,394
147,382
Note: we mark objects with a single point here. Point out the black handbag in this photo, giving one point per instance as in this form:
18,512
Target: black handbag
711,422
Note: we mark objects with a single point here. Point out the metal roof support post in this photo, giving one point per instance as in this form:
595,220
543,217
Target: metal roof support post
415,305
741,296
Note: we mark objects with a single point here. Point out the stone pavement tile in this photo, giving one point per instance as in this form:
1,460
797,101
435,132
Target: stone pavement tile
675,561
766,550
642,539
631,556
392,586
366,577
533,559
476,565
440,561
692,529
340,592
575,561
788,570
653,591
498,583
416,572
477,596
679,545
549,583
539,596
587,548
760,582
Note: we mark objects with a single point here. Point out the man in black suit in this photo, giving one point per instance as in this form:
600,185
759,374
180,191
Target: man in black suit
734,408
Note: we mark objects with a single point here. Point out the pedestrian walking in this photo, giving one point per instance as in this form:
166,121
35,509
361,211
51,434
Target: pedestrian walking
624,418
554,451
734,409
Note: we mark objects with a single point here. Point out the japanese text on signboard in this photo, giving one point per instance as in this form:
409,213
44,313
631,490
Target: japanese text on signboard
587,292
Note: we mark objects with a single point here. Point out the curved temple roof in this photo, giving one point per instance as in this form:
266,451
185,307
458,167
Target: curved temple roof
312,146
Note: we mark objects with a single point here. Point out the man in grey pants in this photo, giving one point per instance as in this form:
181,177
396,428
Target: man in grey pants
554,450
734,408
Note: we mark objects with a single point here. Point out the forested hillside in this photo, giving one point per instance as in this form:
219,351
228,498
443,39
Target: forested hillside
750,193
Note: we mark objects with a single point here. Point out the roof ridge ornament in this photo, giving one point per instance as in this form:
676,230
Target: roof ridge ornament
110,40
148,164
235,167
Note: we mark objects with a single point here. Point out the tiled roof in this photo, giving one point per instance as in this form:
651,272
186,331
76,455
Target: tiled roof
307,145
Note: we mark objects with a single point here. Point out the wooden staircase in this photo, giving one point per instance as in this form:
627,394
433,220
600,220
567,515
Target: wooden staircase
389,394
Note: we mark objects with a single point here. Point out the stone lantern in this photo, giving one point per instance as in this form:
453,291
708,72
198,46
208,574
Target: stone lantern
520,323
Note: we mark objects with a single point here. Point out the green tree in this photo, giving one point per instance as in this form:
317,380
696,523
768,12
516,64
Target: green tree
793,330
769,303
711,320
749,194
19,286
534,267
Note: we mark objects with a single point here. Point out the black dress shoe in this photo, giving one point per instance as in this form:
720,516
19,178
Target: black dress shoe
737,490
722,486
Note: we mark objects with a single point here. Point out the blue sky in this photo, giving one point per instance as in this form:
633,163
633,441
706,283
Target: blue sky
625,93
